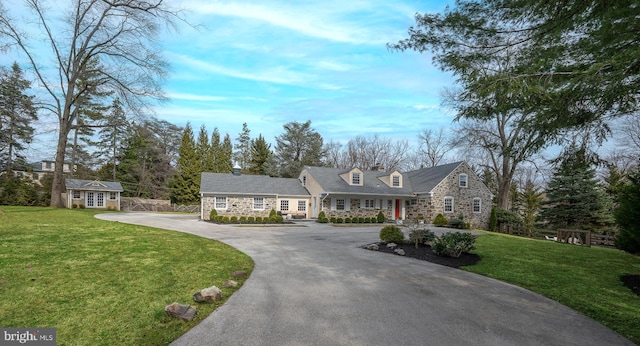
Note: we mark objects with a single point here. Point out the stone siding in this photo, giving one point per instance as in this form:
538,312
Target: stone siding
238,206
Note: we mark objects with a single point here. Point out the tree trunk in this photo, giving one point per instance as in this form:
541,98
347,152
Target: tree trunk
58,187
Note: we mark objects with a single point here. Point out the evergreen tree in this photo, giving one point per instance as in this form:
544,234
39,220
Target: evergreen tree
111,138
529,200
575,197
260,155
300,145
225,163
215,150
185,187
141,169
628,214
242,154
202,151
17,114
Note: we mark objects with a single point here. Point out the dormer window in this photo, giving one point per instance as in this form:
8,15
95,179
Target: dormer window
463,180
395,181
355,178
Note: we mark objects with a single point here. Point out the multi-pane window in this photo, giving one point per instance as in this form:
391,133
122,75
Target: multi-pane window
113,196
396,181
284,205
100,199
369,203
340,204
462,179
302,205
355,179
477,205
258,203
221,202
448,204
89,199
76,194
414,202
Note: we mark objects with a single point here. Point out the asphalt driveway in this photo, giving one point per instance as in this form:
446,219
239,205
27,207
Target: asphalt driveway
313,285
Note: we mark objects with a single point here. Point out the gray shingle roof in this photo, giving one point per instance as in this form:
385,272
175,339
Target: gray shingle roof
331,182
92,185
425,179
250,184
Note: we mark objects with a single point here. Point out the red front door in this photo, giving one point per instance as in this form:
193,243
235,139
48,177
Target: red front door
398,206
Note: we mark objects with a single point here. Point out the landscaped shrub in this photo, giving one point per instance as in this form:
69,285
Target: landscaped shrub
251,219
321,216
367,220
421,236
453,244
243,219
493,220
225,219
339,220
325,220
508,217
258,219
279,219
456,223
234,219
361,219
272,213
74,206
380,217
391,234
332,219
213,214
347,220
440,221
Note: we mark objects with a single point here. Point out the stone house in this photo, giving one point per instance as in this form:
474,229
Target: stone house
453,190
234,194
92,194
36,171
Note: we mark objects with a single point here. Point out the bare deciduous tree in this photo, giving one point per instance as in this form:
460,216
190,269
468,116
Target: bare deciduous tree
434,146
367,152
120,34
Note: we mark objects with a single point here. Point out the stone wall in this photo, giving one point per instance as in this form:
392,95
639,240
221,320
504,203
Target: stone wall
238,206
356,211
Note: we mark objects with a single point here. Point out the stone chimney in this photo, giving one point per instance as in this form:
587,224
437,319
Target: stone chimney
378,167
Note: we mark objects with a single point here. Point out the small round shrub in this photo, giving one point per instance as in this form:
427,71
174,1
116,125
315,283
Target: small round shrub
339,220
251,219
380,217
391,234
74,206
234,219
243,219
278,219
361,219
367,220
258,219
332,219
453,244
321,216
225,219
347,220
440,221
213,214
421,236
325,220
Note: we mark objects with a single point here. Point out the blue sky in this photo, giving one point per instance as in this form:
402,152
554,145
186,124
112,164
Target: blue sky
267,63
270,62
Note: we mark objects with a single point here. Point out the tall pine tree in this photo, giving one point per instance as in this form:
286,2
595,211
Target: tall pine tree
243,148
185,187
628,214
17,115
575,198
260,156
202,151
112,137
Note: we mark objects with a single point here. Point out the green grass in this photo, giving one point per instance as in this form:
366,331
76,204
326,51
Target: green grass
586,279
104,283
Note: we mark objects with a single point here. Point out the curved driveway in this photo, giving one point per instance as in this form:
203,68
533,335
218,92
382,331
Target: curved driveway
313,285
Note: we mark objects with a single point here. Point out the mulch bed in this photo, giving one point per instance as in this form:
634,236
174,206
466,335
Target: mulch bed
425,253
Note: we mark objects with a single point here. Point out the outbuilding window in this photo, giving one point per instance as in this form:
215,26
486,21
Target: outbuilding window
463,180
477,205
221,202
258,203
448,204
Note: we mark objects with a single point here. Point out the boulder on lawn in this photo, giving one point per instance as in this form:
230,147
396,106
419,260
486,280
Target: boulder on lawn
230,283
209,294
182,311
239,274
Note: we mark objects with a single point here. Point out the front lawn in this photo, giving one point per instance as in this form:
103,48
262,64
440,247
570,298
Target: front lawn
586,279
104,283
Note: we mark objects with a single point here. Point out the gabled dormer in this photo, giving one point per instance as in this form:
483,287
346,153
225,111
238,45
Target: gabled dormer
394,179
354,177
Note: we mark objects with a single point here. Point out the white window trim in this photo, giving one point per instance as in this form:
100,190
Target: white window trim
466,180
347,204
114,195
354,176
413,202
444,205
77,193
254,203
473,207
288,204
215,202
393,177
303,204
